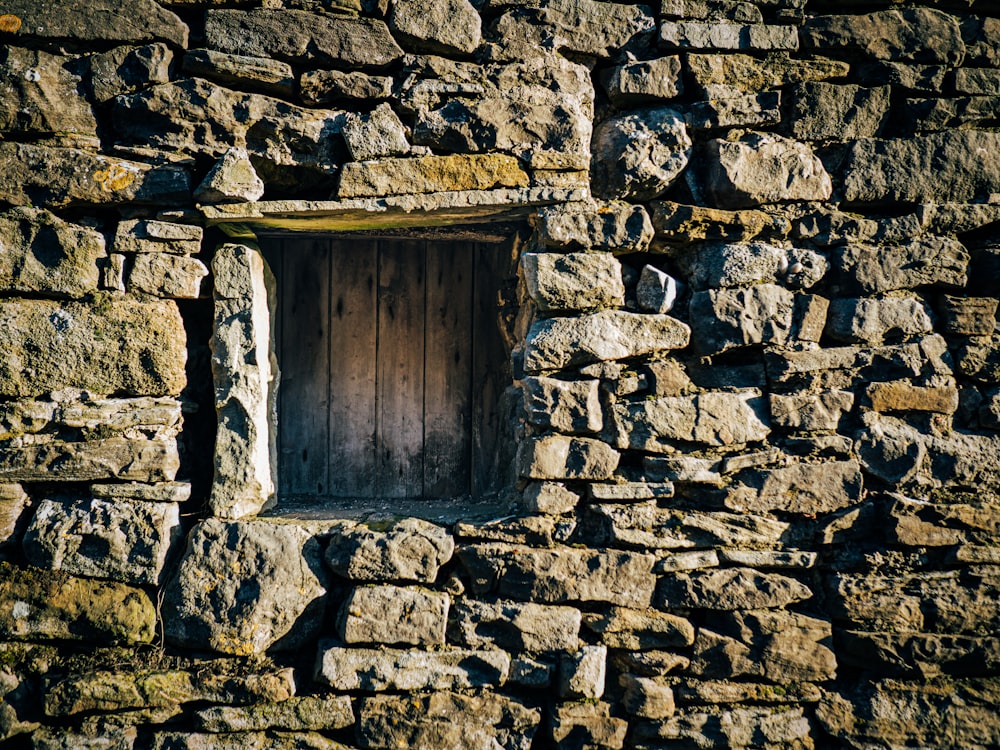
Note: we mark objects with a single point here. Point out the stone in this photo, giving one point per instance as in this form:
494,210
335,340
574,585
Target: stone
768,559
164,492
150,236
805,488
127,542
979,358
119,345
309,712
110,458
587,724
648,663
639,630
51,605
687,561
968,316
730,589
169,276
244,370
563,574
125,70
837,112
905,75
716,419
300,36
409,550
691,35
232,179
41,253
560,457
752,74
241,71
549,497
326,86
639,154
534,530
630,492
14,512
646,698
442,719
943,114
676,222
565,406
441,26
593,27
916,35
393,615
381,670
872,320
715,265
582,674
921,655
429,174
902,396
119,738
656,291
977,81
243,741
917,523
205,604
761,168
140,688
43,176
811,411
90,418
98,21
645,81
906,170
602,336
742,316
536,628
573,281
374,135
737,727
920,262
724,691
41,97
615,227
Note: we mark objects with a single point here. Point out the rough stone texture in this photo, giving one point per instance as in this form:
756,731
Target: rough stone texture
232,179
713,266
582,674
763,168
573,282
714,419
675,222
733,727
656,291
549,497
295,714
124,70
730,589
648,80
170,276
808,411
726,36
206,604
374,135
441,26
240,71
805,488
244,741
430,174
616,226
733,318
325,86
634,629
638,155
751,74
515,626
394,615
108,458
97,21
872,320
646,698
565,406
42,97
561,457
594,27
409,550
826,111
925,261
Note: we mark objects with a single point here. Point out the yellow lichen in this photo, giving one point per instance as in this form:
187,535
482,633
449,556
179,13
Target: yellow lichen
9,23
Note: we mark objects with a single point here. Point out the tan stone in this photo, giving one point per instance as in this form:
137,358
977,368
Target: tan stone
430,174
903,396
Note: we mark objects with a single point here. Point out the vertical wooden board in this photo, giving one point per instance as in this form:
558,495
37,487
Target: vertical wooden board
448,348
400,372
353,323
305,368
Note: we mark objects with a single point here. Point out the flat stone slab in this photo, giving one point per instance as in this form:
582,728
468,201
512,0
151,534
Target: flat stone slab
394,615
409,550
515,626
377,670
319,712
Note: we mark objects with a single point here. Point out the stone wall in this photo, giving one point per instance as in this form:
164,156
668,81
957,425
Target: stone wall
758,458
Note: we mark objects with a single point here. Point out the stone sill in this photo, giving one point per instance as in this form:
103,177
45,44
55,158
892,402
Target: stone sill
442,511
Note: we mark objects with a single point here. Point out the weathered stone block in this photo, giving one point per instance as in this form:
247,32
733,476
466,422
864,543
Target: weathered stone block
325,86
379,670
753,74
374,135
807,488
644,81
714,266
574,281
710,418
630,492
205,604
14,506
968,316
729,589
656,291
89,460
646,698
675,222
241,71
561,457
243,741
393,615
515,626
430,174
440,26
124,70
615,226
922,262
811,411
871,320
534,530
582,674
42,97
743,316
902,396
409,550
639,630
920,655
165,275
549,497
571,406
736,109
587,724
316,712
726,36
725,692
149,236
98,21
737,728
916,523
232,179
837,112
600,337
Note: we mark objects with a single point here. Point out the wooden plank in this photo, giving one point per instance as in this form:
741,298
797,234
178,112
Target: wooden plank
303,465
448,348
352,348
399,377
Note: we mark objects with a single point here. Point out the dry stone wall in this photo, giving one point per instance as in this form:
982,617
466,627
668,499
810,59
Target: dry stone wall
754,499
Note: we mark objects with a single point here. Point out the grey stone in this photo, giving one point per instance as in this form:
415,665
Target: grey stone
530,673
592,27
98,21
244,370
871,320
299,36
442,719
907,170
90,418
639,154
587,724
921,655
712,10
943,114
322,712
374,135
566,406
811,411
534,530
41,97
43,605
730,589
119,738
549,497
639,630
968,316
149,236
656,291
752,74
630,492
430,174
919,35
737,727
905,75
979,358
232,179
805,488
763,168
977,81
43,253
243,741
687,35
409,550
687,561
768,559
163,492
726,692
646,698
128,542
326,86
380,670
714,419
205,604
124,70
560,457
837,112
169,276
109,458
599,337
394,615
921,262
14,511
644,81
43,176
536,628
615,226
442,26
713,266
563,574
742,316
917,523
582,674
573,281
240,71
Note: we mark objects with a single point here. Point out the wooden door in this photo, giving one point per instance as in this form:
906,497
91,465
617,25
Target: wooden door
391,367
